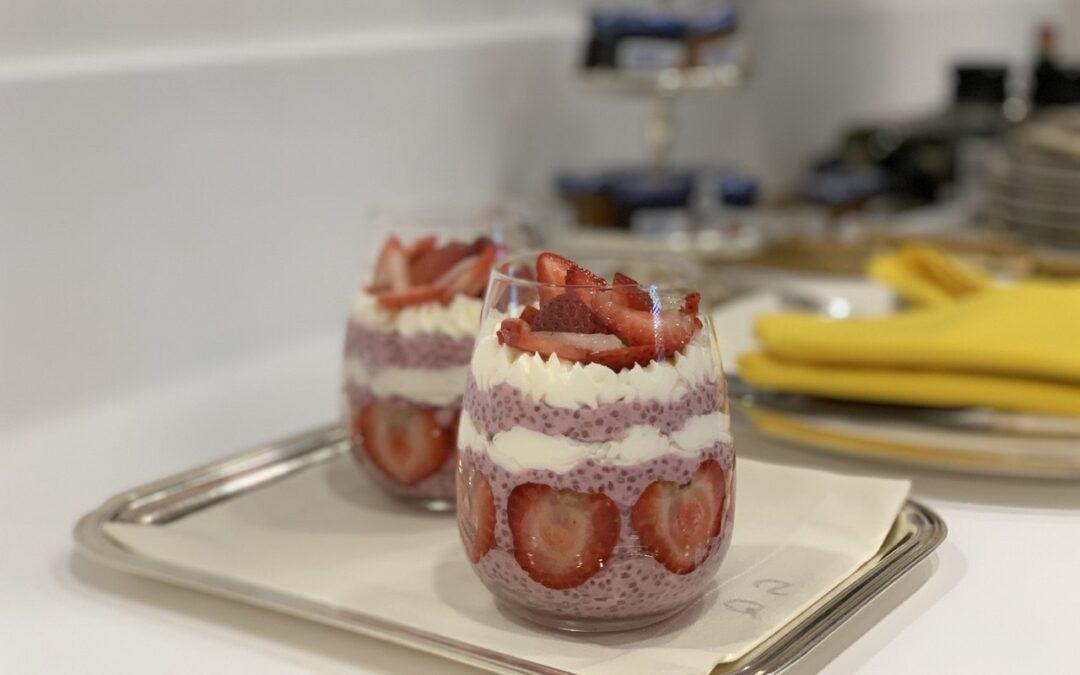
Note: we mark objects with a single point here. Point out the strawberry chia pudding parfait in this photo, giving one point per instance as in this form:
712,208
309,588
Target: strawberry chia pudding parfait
596,468
407,347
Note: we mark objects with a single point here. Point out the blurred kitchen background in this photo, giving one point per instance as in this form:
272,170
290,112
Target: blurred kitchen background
183,185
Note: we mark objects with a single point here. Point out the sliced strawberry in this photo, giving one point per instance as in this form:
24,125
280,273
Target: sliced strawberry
579,276
407,298
676,523
566,313
437,261
420,247
391,267
475,510
529,314
518,334
561,537
691,303
591,342
402,440
630,293
667,331
470,276
551,268
625,357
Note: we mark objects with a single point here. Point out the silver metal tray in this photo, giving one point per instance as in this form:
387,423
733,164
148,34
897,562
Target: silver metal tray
916,533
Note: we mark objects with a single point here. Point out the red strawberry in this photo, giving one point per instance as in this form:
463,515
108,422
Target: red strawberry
469,276
551,269
475,510
566,313
691,303
391,267
667,331
419,247
403,440
561,537
529,314
591,342
518,334
412,296
624,357
630,293
676,523
434,263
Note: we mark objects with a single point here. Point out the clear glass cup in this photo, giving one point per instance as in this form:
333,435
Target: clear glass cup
404,367
595,496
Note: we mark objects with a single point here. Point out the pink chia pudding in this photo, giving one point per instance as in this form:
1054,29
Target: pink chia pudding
595,477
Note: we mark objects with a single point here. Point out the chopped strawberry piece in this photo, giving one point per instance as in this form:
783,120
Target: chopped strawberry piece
561,537
566,313
407,298
592,342
402,440
691,304
475,510
630,293
391,267
625,357
518,334
551,269
529,314
420,247
434,263
579,276
676,523
470,276
667,331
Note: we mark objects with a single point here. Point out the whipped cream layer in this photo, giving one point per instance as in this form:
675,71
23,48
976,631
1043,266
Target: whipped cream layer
434,387
459,319
520,448
566,384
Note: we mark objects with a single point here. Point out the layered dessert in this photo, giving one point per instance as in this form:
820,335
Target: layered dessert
407,348
596,471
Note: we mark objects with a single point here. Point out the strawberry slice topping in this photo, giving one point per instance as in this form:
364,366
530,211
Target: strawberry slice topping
566,313
561,537
419,248
437,261
630,293
529,314
620,358
518,334
551,269
475,510
412,296
391,267
667,331
402,440
676,523
470,276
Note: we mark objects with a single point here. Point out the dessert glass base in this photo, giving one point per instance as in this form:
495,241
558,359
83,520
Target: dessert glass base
586,624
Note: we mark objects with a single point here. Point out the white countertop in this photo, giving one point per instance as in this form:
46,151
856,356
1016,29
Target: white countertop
996,597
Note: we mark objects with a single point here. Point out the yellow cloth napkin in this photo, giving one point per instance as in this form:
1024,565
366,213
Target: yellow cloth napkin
1015,348
923,275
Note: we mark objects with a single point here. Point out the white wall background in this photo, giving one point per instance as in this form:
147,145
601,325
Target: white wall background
183,183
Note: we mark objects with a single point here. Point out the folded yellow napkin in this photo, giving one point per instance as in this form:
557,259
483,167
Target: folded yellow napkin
923,275
1015,348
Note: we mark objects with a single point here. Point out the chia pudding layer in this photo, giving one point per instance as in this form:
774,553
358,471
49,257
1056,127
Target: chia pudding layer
379,349
631,583
504,407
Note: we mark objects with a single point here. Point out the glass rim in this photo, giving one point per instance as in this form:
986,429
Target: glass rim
528,258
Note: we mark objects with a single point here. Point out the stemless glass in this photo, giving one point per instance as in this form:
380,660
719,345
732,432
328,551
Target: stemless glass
594,496
405,366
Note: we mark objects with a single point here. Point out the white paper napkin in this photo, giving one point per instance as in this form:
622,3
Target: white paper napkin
329,536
